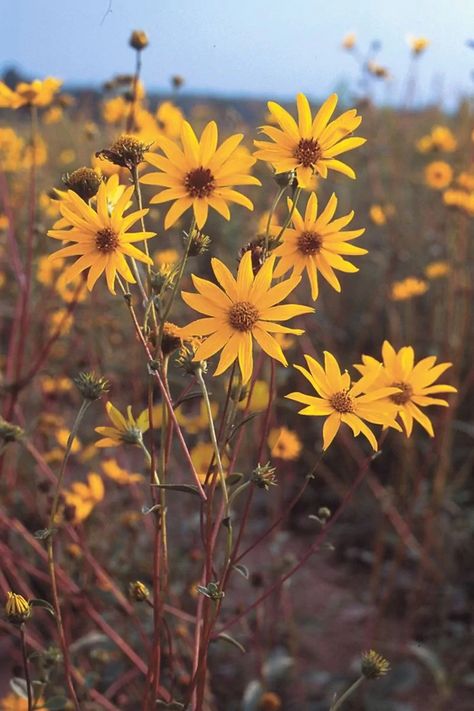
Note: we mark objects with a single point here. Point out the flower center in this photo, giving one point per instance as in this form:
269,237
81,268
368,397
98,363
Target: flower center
342,402
404,396
199,182
307,152
106,240
243,316
309,243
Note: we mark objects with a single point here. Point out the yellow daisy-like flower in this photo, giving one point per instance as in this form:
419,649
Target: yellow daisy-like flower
344,402
316,244
85,496
438,175
240,310
284,444
199,175
123,477
125,430
408,288
415,383
309,146
102,238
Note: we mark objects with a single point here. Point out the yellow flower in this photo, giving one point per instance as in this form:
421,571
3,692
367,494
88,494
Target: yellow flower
113,470
169,119
349,41
239,311
115,111
284,444
377,215
435,270
166,256
200,175
377,70
466,180
8,98
259,397
415,383
309,146
459,199
438,175
442,139
36,152
202,455
53,115
62,434
418,44
68,155
4,223
424,144
408,288
84,497
344,402
11,150
125,430
60,317
316,244
37,92
12,702
101,238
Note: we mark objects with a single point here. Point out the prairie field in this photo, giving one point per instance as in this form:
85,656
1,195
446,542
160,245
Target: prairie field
236,391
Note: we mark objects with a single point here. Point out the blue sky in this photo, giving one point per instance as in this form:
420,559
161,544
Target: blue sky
268,48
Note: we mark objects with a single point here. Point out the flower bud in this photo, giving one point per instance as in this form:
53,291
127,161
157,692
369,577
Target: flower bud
373,665
138,40
17,609
138,591
91,386
83,181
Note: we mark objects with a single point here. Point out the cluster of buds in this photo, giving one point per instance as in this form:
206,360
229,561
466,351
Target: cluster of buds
264,476
126,152
211,590
85,182
91,386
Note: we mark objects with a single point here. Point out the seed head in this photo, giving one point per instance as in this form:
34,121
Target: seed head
264,476
138,591
138,40
177,81
83,181
199,243
257,248
91,386
127,152
17,609
373,665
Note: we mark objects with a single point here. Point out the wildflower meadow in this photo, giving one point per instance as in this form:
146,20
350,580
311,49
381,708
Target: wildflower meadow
236,379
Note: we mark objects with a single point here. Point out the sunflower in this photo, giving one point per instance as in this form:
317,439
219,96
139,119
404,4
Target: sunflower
345,402
438,175
199,175
316,244
239,310
125,430
101,236
415,383
309,146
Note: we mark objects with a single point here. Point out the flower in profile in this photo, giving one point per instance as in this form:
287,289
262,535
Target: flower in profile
316,244
35,93
309,146
408,288
200,175
125,430
415,383
91,386
377,215
138,591
344,402
83,497
12,147
284,444
438,175
240,310
138,40
169,119
436,270
126,152
377,70
349,41
17,609
101,237
83,181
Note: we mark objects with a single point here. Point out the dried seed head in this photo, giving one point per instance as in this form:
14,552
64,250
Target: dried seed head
83,181
373,665
171,339
91,386
138,591
264,476
127,152
17,609
138,40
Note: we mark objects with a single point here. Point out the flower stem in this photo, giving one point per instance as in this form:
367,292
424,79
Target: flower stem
346,694
26,667
274,206
290,215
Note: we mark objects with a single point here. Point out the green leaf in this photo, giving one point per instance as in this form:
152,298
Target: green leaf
186,398
36,602
231,640
186,488
234,478
243,422
243,570
55,703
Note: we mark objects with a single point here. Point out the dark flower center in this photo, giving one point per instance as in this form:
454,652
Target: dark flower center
307,152
243,316
404,396
106,240
342,402
199,182
309,243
